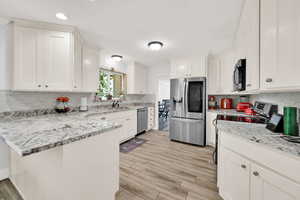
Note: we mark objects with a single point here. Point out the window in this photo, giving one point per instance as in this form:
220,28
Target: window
111,84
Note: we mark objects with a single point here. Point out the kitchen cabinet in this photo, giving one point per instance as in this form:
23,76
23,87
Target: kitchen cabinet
254,170
266,185
78,61
214,75
247,42
235,174
51,57
136,78
27,75
90,70
186,68
42,60
210,128
151,118
220,73
128,120
280,45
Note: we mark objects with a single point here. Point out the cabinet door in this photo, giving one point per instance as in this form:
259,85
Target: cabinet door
213,76
140,80
26,72
280,44
267,185
78,51
210,129
235,183
198,69
90,70
226,72
56,60
251,41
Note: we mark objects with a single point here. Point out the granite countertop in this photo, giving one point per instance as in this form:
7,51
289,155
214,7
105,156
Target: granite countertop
257,133
231,112
36,133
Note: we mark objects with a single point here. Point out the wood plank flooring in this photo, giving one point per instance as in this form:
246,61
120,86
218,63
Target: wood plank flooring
164,170
158,170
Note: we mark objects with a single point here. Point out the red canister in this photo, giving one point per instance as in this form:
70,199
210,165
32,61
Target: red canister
226,103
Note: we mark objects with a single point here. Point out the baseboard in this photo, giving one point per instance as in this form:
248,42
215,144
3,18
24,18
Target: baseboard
4,174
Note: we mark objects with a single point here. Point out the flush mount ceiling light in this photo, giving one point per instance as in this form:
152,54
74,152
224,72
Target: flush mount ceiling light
61,16
116,58
155,45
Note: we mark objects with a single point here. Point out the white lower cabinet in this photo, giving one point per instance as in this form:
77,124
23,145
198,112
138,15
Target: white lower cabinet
210,128
235,171
128,120
151,117
242,177
267,185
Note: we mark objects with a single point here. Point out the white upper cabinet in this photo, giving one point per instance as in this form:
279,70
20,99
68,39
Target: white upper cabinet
136,78
213,75
220,73
90,70
50,57
280,44
56,60
247,42
43,60
185,68
26,55
78,53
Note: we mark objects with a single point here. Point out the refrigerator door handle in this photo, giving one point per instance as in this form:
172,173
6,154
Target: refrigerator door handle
185,97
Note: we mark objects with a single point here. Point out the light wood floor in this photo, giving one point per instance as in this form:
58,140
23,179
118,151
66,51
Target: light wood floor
164,170
159,170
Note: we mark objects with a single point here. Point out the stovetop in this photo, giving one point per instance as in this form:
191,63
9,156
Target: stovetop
245,119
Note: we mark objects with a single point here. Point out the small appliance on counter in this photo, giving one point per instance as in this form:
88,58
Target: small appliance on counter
212,103
226,103
62,105
243,106
83,104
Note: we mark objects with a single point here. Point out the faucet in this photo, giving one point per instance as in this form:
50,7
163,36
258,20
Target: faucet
116,104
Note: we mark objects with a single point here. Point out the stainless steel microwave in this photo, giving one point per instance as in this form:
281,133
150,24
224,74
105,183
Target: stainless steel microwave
239,75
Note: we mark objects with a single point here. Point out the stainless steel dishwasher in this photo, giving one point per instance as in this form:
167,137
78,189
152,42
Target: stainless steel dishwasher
142,119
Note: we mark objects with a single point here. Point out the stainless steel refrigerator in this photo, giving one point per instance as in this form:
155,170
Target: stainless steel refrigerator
187,112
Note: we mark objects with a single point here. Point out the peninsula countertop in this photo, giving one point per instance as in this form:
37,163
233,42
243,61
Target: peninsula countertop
28,135
257,133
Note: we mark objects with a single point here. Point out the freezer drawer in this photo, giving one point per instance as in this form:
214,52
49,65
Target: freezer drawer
188,130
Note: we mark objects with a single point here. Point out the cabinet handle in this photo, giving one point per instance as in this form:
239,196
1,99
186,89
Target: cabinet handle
39,86
249,85
243,166
269,80
103,118
255,173
46,86
75,86
127,119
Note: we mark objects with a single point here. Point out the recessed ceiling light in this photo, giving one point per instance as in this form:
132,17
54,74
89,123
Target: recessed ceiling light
155,45
116,58
61,16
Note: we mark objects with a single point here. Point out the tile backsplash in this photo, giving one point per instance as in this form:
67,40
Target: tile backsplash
22,101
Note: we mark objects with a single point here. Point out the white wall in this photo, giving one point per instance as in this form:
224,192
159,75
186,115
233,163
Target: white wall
155,74
163,89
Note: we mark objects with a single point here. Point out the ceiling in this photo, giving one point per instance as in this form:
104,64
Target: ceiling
187,27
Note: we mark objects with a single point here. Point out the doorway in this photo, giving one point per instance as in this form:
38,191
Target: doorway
163,104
